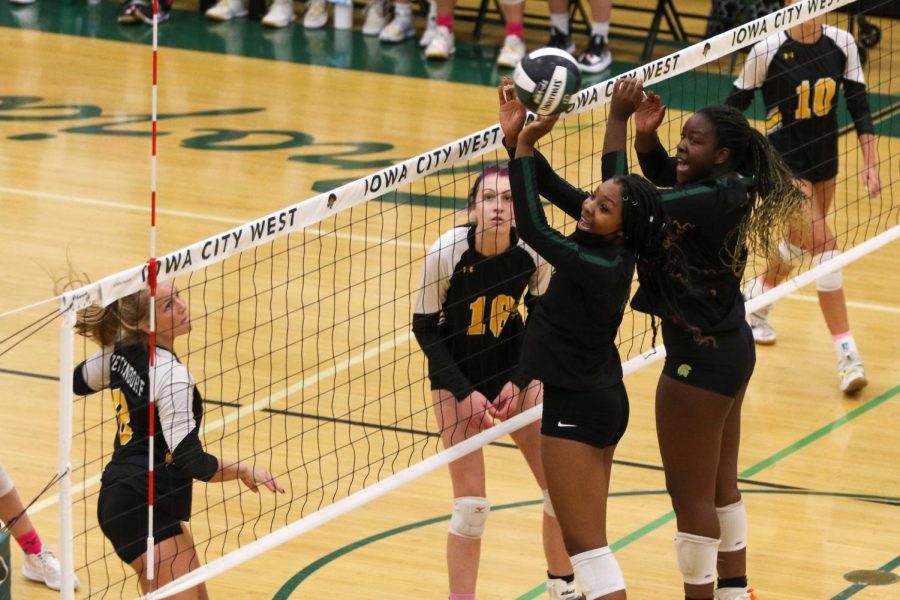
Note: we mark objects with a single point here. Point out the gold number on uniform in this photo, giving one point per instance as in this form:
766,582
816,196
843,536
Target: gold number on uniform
502,307
123,419
822,98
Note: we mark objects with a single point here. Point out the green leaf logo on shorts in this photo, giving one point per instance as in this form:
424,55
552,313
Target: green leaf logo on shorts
684,370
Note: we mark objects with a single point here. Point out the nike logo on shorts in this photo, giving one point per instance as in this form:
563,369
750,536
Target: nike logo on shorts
561,424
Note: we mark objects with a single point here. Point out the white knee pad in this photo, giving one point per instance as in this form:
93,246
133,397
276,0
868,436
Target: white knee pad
469,516
597,573
834,280
6,484
790,254
733,526
548,505
696,558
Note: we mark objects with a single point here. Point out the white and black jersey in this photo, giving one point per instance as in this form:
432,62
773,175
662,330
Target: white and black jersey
467,318
800,84
179,457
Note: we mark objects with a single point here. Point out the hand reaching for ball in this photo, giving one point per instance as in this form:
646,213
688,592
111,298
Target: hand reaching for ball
512,113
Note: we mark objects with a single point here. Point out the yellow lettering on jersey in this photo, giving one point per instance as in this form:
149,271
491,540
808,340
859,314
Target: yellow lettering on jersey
476,327
501,310
123,419
819,102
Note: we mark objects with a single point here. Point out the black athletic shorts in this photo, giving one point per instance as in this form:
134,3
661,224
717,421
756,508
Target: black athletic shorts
488,383
723,367
594,417
813,161
122,514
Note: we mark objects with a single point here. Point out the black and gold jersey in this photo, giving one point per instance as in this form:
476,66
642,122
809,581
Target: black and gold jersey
472,302
800,84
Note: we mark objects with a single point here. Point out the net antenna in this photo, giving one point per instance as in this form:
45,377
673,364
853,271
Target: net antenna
303,352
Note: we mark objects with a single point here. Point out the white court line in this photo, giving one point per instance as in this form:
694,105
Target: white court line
79,488
853,304
196,216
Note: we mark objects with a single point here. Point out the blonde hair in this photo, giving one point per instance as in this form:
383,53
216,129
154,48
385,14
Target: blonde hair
118,323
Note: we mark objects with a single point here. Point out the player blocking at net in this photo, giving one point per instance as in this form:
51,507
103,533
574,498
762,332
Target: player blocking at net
570,344
468,323
799,72
122,331
728,193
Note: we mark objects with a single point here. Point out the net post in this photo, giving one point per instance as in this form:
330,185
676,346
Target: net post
63,463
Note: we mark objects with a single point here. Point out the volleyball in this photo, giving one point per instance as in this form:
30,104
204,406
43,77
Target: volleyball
546,79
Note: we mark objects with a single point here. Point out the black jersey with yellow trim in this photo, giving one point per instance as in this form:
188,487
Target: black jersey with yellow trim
467,316
571,338
178,455
800,84
705,216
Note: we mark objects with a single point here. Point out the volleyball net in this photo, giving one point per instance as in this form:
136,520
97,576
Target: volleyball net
301,343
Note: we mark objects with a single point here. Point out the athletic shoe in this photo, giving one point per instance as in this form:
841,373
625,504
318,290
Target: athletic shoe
559,589
430,25
398,30
44,568
852,373
316,16
226,10
597,57
135,12
512,52
377,13
731,593
561,40
442,45
763,332
281,14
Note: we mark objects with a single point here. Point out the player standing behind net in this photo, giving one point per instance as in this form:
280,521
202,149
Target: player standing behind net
467,322
122,329
570,344
729,190
799,73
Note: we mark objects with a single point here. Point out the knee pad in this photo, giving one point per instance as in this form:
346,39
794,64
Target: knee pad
6,484
733,526
597,573
469,516
834,280
696,558
790,254
548,505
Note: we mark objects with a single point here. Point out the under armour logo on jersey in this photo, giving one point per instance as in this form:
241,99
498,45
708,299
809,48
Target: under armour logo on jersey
466,269
788,56
684,370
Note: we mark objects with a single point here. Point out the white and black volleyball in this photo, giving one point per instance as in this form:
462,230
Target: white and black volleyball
546,79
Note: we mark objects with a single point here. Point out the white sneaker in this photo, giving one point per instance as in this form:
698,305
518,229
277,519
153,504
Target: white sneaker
316,14
442,45
559,589
512,52
735,594
44,568
430,25
225,10
852,373
281,14
377,12
763,332
398,30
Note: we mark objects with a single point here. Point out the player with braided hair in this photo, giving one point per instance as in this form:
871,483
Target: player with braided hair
730,191
122,330
570,342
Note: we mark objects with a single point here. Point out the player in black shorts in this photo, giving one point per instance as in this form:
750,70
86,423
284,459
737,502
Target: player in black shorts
468,323
570,343
121,329
729,190
800,72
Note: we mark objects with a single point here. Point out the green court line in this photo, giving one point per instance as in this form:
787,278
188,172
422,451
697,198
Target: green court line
858,587
289,586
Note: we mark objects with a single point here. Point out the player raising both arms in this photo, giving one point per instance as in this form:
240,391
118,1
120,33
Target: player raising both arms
799,73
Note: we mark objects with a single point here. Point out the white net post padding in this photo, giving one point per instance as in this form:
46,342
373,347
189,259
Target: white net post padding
63,462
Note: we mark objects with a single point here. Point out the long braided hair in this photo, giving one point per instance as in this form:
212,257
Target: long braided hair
778,202
649,233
